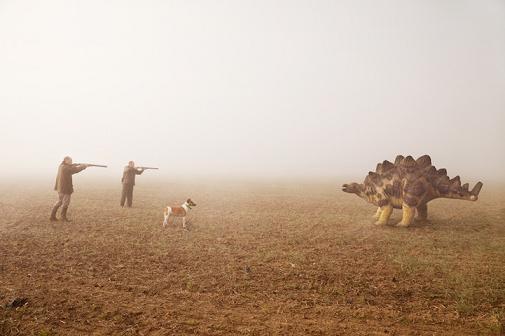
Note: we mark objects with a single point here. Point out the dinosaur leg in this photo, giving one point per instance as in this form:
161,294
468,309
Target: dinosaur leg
408,215
378,213
386,212
422,212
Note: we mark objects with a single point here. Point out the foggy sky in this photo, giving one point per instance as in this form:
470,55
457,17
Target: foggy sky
252,88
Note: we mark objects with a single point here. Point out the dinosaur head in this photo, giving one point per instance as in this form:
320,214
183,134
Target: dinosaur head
353,188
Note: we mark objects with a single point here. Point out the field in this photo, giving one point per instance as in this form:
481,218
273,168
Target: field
259,258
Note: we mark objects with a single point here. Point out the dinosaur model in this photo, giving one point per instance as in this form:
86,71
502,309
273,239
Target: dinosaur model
409,185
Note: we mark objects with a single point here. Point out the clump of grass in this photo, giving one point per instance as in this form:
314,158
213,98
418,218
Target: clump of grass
191,285
45,333
465,305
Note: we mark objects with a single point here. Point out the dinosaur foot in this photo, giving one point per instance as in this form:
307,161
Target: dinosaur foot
380,223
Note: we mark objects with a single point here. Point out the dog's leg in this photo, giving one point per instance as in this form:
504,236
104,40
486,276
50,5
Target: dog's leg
166,215
184,222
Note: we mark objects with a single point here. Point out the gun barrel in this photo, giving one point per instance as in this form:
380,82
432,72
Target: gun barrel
90,165
144,168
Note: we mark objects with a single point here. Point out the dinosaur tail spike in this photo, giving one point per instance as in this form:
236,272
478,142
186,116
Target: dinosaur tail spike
465,187
476,189
442,171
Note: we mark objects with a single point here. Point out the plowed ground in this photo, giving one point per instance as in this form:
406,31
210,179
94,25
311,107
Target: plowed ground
259,258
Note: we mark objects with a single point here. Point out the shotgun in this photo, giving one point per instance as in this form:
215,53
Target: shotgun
89,165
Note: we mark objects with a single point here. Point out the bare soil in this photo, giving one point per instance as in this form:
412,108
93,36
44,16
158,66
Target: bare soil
259,258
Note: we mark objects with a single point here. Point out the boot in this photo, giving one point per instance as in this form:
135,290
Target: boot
53,214
64,214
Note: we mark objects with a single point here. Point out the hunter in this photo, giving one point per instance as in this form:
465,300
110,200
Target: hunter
128,181
64,186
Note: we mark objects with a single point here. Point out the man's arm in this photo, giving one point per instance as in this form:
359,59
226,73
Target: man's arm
78,168
139,171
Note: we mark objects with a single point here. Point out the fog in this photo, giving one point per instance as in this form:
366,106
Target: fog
252,88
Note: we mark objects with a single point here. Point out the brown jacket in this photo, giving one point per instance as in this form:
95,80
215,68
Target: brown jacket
64,178
129,175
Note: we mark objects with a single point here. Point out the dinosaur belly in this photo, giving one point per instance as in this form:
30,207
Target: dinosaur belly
396,202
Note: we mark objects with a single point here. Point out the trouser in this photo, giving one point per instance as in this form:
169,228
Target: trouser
127,194
63,199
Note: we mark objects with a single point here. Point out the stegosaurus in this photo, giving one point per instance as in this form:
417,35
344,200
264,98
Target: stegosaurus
409,184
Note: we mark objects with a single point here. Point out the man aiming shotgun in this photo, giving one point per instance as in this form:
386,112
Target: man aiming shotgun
128,181
64,185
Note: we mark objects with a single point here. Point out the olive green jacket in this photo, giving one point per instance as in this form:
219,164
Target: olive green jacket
129,175
64,178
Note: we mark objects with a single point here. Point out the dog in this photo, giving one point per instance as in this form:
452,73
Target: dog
178,211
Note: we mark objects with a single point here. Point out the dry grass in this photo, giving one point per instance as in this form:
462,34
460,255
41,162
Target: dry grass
259,258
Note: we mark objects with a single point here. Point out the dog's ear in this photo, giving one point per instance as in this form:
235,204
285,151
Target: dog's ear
188,200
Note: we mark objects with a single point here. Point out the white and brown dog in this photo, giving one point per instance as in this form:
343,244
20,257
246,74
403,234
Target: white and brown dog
178,211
